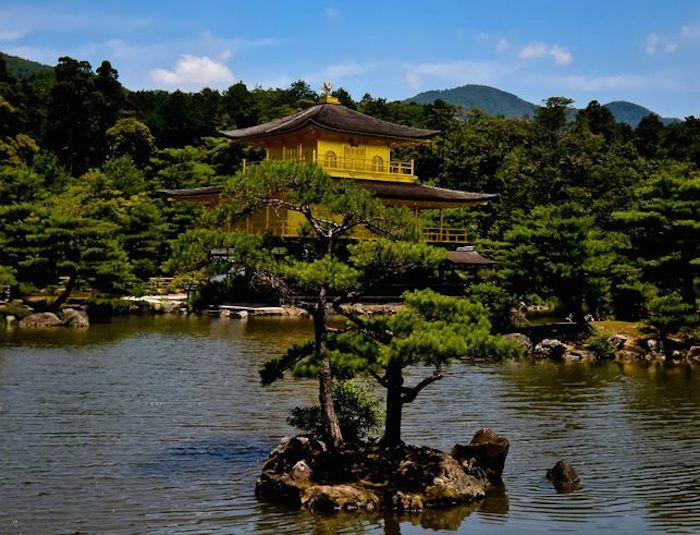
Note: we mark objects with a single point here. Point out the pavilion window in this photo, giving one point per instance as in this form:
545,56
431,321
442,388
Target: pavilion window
378,164
329,159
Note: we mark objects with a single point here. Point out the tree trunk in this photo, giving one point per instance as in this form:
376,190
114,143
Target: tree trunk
334,437
56,305
394,406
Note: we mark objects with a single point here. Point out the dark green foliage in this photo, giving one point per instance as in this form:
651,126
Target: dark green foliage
600,345
668,313
359,412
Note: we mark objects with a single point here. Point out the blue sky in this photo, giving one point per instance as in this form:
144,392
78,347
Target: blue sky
643,51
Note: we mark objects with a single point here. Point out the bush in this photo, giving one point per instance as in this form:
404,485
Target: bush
358,409
497,302
600,345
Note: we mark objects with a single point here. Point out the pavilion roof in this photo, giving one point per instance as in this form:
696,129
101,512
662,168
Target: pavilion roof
408,192
333,117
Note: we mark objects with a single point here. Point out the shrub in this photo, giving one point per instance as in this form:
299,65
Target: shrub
496,300
600,345
358,409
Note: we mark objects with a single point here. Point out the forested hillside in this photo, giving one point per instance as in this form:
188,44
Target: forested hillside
590,213
493,101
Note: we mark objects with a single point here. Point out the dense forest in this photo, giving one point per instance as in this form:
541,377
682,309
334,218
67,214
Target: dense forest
592,214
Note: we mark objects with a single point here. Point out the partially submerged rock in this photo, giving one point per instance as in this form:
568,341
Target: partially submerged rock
550,348
487,452
41,319
564,477
75,318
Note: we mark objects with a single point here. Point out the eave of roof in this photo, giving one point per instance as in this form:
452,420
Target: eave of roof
332,117
383,189
468,258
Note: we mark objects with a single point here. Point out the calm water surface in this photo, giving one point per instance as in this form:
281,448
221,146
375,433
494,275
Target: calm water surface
159,425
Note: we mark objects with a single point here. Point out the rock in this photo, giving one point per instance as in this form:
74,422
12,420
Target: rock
75,318
522,340
288,469
618,341
576,354
564,477
406,501
487,451
655,346
240,314
291,310
329,498
693,354
41,319
550,348
517,318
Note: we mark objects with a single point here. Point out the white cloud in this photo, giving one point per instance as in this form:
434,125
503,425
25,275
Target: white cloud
576,82
194,72
657,43
691,31
19,21
331,12
458,71
502,44
560,55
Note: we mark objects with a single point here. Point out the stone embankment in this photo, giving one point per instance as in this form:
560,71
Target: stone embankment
621,348
304,473
69,317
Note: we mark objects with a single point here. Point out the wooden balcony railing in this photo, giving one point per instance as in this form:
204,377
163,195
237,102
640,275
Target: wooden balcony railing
280,228
342,165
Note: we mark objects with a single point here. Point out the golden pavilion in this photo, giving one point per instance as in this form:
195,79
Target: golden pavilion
348,145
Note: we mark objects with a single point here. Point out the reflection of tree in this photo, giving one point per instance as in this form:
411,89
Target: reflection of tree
664,407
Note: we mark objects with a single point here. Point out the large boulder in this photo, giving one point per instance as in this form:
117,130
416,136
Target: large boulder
564,477
41,319
438,478
522,340
550,348
486,453
75,318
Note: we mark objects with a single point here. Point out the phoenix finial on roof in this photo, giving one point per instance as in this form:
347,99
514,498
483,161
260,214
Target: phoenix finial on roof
327,88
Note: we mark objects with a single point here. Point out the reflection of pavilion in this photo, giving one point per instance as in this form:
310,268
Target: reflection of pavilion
348,145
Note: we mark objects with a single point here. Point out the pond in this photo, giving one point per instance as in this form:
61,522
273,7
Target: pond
159,425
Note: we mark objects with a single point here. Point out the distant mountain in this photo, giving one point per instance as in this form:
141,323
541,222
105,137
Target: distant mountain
493,101
488,99
24,68
631,113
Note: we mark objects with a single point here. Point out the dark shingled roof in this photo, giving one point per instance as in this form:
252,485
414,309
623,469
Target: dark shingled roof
332,117
384,189
468,258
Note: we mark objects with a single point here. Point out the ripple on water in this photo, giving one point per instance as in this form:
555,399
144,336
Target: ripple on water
159,425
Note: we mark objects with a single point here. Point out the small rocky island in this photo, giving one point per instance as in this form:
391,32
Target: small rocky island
303,472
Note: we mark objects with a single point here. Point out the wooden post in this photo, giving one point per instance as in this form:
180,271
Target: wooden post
412,166
441,224
244,162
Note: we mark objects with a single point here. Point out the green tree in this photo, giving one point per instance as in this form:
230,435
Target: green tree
664,227
431,330
668,313
555,250
129,136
